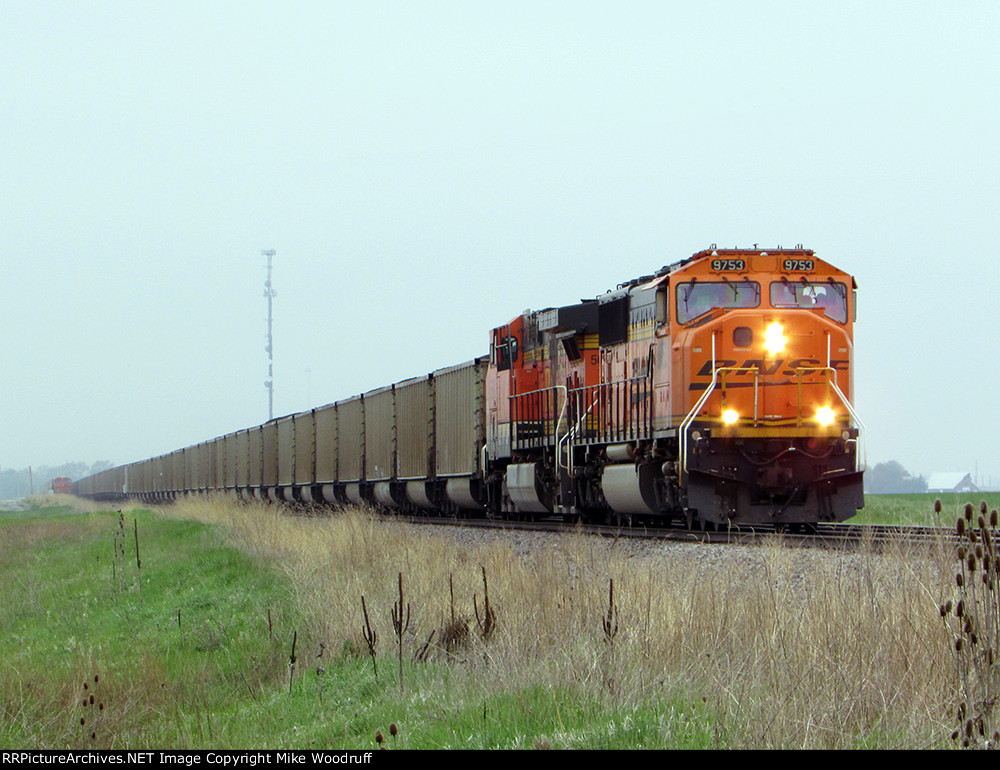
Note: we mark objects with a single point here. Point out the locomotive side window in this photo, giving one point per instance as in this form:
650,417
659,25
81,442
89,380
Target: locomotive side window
831,297
506,353
699,297
662,309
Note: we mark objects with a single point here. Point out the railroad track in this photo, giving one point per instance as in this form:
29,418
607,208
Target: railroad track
842,535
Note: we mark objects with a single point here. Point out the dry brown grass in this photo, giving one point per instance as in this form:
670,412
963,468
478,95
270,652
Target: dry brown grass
786,647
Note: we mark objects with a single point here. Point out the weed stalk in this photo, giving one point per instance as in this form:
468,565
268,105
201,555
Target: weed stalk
400,624
371,637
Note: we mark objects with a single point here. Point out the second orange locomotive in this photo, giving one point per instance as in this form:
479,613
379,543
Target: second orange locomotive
718,389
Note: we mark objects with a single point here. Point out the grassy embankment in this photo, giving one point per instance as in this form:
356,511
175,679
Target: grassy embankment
776,649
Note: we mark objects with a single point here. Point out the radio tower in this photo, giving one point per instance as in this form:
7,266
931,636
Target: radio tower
270,294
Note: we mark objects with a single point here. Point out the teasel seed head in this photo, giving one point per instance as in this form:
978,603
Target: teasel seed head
982,506
959,580
960,609
981,522
960,526
970,562
968,511
937,505
378,737
393,731
961,553
958,645
993,517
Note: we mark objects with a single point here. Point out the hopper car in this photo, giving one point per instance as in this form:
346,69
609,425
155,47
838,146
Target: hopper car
717,390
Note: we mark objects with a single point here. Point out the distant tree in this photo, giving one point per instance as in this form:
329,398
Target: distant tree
892,478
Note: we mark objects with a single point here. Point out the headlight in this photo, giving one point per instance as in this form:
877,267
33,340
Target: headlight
730,416
774,338
825,415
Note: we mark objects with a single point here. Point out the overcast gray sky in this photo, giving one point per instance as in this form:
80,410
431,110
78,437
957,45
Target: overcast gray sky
427,170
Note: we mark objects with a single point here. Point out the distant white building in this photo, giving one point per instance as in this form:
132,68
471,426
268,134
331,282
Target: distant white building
951,482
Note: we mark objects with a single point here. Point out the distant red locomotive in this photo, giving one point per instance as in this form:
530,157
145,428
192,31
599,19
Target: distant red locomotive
62,485
717,390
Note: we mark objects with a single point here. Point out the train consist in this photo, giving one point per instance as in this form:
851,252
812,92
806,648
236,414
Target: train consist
717,390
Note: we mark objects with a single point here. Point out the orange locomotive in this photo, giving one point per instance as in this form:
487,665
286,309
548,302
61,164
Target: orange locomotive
62,485
718,389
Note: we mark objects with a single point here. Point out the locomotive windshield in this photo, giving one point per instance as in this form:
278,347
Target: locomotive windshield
830,297
698,297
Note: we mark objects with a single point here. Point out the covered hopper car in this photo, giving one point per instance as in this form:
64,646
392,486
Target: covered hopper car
717,390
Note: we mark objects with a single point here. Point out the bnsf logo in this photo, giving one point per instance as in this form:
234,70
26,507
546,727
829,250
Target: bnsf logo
766,368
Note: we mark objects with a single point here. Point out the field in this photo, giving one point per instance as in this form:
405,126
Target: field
239,627
918,509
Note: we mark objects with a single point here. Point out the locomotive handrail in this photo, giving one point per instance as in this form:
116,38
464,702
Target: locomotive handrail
575,429
601,389
860,457
515,396
686,422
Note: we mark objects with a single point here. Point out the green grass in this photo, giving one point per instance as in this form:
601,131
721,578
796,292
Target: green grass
182,655
918,509
163,655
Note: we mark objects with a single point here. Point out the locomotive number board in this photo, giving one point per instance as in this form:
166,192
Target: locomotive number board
729,264
798,265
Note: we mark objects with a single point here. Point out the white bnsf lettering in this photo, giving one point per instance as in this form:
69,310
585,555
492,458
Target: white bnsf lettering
764,368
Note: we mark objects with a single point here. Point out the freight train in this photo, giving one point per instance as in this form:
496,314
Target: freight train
717,391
